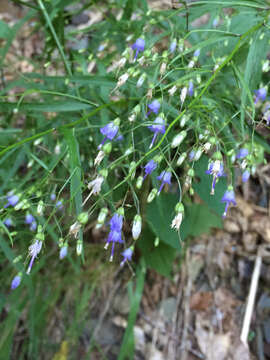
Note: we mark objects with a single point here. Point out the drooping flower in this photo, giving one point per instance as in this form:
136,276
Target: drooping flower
228,198
63,252
197,53
33,226
157,127
245,176
95,185
138,46
12,200
173,46
149,168
109,131
242,153
34,250
191,155
29,218
127,254
190,88
115,234
153,107
16,281
59,205
8,222
216,169
165,178
260,95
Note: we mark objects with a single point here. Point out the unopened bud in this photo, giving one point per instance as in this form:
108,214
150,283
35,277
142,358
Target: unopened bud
79,247
99,157
83,218
172,90
40,208
141,80
183,94
152,195
132,167
102,215
163,68
198,154
139,182
177,140
136,227
107,148
181,159
191,64
184,120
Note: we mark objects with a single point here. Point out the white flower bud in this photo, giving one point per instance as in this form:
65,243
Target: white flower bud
181,159
265,66
177,221
183,94
152,195
121,63
139,182
198,154
79,247
141,60
99,158
207,146
132,117
184,120
40,208
141,80
191,64
30,164
122,80
177,140
102,215
163,68
57,149
172,90
136,227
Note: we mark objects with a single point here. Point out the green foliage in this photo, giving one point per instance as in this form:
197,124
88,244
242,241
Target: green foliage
51,117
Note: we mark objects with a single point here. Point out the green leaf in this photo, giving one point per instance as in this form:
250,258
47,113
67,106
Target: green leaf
159,215
4,30
199,220
159,258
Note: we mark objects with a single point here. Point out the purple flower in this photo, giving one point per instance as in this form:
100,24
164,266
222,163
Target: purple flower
8,222
33,226
260,95
149,168
190,88
242,153
228,198
191,155
63,252
216,169
59,205
245,176
115,234
153,107
109,131
34,250
29,218
127,254
165,178
173,46
12,200
53,197
197,53
138,46
157,127
16,281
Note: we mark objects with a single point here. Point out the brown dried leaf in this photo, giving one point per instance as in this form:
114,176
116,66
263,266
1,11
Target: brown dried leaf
201,301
